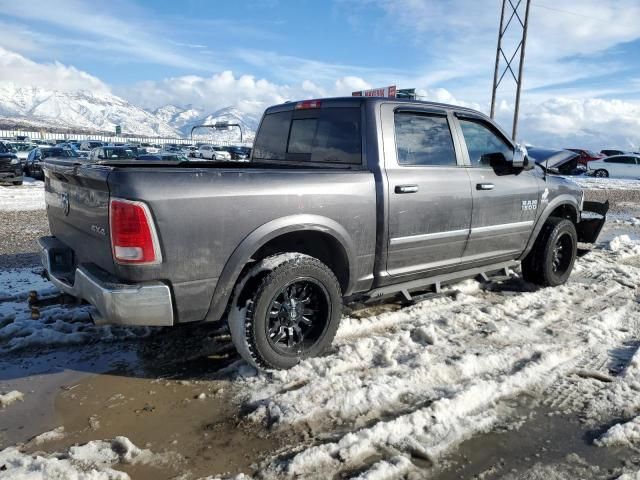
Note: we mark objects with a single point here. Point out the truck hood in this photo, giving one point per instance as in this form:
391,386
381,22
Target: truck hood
554,161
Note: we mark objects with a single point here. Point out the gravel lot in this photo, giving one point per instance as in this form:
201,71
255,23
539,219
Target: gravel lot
19,232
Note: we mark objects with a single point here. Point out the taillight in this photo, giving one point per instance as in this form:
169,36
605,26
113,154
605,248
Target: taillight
133,235
308,104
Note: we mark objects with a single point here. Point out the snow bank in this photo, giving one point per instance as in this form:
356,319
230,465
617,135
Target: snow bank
29,196
7,399
57,325
624,246
606,183
622,434
50,436
418,381
92,461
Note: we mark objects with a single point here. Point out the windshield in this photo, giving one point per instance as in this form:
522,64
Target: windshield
120,153
58,152
23,147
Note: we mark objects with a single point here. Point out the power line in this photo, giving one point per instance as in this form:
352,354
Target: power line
553,9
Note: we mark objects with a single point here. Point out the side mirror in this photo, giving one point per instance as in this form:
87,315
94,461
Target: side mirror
521,158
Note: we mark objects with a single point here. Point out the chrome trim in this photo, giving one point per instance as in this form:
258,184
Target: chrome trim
502,226
428,236
148,303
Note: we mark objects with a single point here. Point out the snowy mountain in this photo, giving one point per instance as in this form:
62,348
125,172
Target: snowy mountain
248,123
177,117
183,119
91,112
79,111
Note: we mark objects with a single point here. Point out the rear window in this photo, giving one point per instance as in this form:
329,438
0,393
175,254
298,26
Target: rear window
329,135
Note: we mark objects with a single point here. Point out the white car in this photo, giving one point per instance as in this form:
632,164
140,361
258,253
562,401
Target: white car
22,149
212,152
617,166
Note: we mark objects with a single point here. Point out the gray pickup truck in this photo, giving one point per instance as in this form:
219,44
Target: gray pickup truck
344,198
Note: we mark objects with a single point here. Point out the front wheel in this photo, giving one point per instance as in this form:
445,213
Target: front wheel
601,173
18,183
291,314
551,260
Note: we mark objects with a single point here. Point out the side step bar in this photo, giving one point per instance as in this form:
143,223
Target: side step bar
437,280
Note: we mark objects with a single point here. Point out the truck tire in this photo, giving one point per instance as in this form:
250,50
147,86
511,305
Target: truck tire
18,183
291,312
551,260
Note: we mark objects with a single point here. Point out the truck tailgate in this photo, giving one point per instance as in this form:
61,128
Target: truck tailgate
77,198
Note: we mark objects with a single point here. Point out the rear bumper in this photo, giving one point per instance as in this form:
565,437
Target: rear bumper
147,303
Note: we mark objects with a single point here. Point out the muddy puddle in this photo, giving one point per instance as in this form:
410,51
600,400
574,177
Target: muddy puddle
166,393
195,425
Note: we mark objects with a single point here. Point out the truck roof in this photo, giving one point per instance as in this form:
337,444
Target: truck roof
346,101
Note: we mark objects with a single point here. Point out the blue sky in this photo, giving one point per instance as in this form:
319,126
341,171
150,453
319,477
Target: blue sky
250,53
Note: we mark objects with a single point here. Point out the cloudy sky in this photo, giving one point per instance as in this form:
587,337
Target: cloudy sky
582,74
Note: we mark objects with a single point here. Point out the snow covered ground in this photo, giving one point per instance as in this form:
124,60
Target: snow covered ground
414,383
92,461
58,324
594,183
28,196
401,388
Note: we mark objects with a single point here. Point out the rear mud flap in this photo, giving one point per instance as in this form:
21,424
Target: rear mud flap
591,224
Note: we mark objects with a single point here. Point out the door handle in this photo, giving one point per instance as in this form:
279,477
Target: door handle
406,188
485,186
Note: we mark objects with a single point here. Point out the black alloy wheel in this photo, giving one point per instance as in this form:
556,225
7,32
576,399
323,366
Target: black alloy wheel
562,254
298,316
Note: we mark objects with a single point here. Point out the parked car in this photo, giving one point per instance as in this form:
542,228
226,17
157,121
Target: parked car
33,166
10,166
22,149
238,153
213,152
586,156
113,152
89,145
617,166
608,153
73,146
274,245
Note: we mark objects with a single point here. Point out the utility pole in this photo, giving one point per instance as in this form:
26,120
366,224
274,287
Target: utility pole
513,11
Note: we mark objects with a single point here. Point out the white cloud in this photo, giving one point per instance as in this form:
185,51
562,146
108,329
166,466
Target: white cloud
246,92
90,25
563,122
21,71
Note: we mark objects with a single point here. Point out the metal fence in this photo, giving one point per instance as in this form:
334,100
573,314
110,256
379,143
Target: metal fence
36,135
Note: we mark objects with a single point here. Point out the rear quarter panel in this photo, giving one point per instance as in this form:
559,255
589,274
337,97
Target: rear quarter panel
203,215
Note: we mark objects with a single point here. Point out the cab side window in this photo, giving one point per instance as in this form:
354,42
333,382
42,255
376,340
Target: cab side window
424,140
483,143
